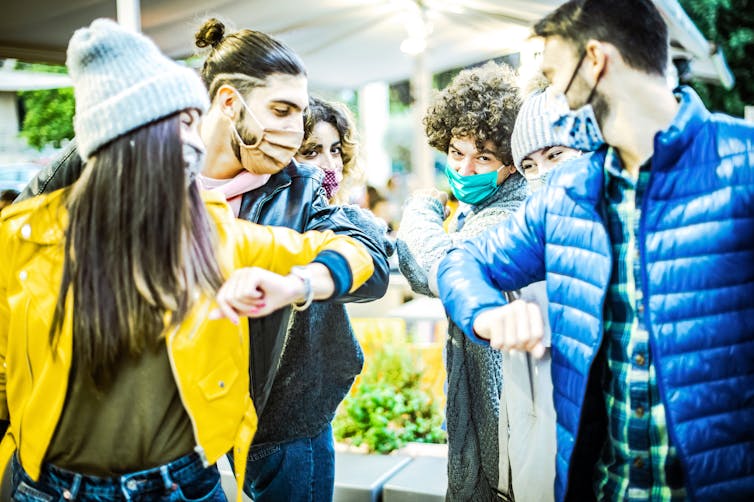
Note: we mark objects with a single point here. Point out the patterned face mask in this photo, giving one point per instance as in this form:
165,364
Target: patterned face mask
330,183
579,127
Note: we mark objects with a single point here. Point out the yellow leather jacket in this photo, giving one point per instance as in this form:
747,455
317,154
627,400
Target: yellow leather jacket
209,358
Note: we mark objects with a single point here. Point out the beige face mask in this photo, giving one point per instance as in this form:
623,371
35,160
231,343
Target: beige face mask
273,148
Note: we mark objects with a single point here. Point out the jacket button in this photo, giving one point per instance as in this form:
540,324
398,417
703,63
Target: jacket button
638,463
639,412
221,384
640,360
26,231
23,275
131,484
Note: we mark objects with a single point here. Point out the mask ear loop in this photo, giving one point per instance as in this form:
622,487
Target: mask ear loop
254,118
575,72
511,168
594,89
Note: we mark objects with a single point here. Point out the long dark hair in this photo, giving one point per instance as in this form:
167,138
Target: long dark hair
138,248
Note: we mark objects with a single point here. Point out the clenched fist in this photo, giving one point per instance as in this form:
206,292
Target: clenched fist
515,326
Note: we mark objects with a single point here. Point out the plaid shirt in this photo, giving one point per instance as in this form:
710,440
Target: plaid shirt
637,461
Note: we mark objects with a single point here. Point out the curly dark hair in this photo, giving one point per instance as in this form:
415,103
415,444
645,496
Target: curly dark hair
480,103
340,117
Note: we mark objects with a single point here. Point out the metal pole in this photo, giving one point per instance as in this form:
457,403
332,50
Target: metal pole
421,154
374,113
129,14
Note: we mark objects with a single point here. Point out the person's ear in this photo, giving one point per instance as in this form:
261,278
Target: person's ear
597,55
226,100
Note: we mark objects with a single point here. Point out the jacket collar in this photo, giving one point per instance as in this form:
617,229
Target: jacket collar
672,142
276,181
583,178
47,216
41,220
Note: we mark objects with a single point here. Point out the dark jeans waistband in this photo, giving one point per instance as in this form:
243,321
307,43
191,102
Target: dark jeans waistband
136,485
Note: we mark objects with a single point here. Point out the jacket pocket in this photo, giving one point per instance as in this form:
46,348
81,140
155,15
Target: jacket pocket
27,493
219,381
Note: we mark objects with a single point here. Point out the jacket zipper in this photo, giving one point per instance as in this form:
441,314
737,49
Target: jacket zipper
198,448
601,338
258,208
28,360
652,342
255,219
31,374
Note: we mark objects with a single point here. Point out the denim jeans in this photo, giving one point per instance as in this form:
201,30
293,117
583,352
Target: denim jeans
302,470
184,479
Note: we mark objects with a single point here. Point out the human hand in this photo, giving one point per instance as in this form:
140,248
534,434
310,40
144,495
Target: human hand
255,292
515,326
434,193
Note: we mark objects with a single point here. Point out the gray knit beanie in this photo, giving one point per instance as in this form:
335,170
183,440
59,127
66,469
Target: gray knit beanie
533,129
122,81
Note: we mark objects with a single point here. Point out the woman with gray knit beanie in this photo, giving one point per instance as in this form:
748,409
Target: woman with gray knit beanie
471,121
527,413
125,369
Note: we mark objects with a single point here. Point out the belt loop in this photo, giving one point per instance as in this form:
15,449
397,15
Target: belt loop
123,489
167,481
71,493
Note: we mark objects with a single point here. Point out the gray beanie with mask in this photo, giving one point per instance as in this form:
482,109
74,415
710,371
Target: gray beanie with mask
122,81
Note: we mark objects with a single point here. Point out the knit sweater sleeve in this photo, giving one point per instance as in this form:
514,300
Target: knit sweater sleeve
422,242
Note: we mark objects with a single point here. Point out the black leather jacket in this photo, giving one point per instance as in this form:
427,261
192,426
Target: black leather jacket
296,394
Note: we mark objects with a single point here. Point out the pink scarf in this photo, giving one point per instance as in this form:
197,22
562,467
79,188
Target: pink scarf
234,188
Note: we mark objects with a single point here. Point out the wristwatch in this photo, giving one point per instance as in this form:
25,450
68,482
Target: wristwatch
303,274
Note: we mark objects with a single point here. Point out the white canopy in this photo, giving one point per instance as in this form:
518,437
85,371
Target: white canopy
344,43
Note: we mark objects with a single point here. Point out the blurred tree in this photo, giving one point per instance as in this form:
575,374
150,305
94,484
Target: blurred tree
47,114
729,23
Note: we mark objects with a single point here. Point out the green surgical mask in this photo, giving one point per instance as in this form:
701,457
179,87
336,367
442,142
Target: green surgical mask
474,188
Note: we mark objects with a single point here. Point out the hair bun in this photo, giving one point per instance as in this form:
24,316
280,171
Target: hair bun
211,33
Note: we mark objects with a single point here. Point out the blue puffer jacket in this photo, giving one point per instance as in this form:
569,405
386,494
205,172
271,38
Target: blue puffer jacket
696,240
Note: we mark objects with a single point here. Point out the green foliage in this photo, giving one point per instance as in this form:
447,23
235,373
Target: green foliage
729,23
389,408
48,115
400,97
